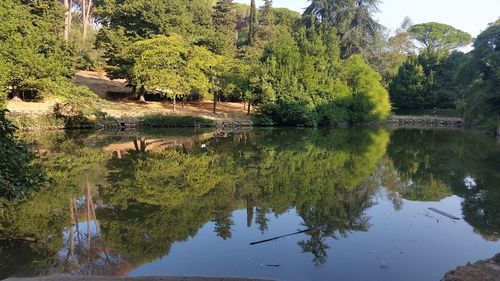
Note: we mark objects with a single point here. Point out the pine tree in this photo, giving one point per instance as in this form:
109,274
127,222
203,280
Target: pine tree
253,23
266,20
224,21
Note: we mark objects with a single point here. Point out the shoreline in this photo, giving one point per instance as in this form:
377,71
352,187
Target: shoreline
142,278
484,270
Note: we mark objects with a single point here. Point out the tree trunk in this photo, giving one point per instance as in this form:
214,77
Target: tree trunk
71,229
86,8
143,144
84,21
67,20
88,215
136,145
244,106
174,103
215,102
249,107
15,92
141,95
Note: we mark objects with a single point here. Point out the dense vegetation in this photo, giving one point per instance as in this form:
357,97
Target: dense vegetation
331,65
437,75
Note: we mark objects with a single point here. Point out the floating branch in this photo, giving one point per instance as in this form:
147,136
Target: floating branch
444,214
283,236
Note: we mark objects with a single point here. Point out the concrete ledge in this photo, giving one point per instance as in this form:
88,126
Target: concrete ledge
145,278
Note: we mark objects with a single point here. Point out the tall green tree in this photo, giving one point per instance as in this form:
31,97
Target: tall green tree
224,22
481,101
354,21
409,88
439,37
252,29
266,21
170,66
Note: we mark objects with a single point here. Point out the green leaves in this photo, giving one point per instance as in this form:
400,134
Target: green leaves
19,177
482,96
169,65
313,86
435,36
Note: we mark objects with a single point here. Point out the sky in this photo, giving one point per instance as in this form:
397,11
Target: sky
470,16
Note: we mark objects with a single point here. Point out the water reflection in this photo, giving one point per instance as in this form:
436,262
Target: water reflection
122,200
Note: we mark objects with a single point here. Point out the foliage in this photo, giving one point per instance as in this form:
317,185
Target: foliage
224,22
358,31
19,177
31,50
170,66
409,88
313,86
436,37
26,122
482,97
167,121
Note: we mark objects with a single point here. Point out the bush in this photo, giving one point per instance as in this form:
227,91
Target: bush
291,113
19,177
36,122
171,121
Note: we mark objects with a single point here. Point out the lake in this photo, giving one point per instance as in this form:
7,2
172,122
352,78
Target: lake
352,204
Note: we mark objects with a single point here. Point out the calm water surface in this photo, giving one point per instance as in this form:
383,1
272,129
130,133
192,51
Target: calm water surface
186,202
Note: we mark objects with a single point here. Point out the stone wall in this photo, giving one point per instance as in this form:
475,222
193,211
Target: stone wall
425,121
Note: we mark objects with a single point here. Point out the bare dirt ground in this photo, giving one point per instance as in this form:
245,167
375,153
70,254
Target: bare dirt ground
101,85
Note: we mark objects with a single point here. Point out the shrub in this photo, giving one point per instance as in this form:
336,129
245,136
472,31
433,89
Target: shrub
171,121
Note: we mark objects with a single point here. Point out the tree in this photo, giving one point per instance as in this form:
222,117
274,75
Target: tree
357,29
439,37
266,21
32,51
224,22
68,19
408,88
168,65
86,9
252,31
439,64
370,100
146,18
312,86
481,101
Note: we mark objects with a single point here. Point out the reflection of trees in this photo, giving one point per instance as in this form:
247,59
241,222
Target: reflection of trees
433,164
148,200
153,200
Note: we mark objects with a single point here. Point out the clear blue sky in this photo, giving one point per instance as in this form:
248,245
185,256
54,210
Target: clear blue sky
467,15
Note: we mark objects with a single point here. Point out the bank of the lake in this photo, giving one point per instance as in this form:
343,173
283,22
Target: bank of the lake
485,270
144,278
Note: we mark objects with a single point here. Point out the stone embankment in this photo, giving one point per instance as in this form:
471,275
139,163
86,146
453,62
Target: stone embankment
487,270
425,121
233,123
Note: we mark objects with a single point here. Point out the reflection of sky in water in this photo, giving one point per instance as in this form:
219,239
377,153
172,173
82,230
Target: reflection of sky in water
411,244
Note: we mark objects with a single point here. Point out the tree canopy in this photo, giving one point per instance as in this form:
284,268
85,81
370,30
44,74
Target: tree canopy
436,37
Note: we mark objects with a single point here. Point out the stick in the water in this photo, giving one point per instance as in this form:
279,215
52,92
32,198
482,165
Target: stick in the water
444,214
283,236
